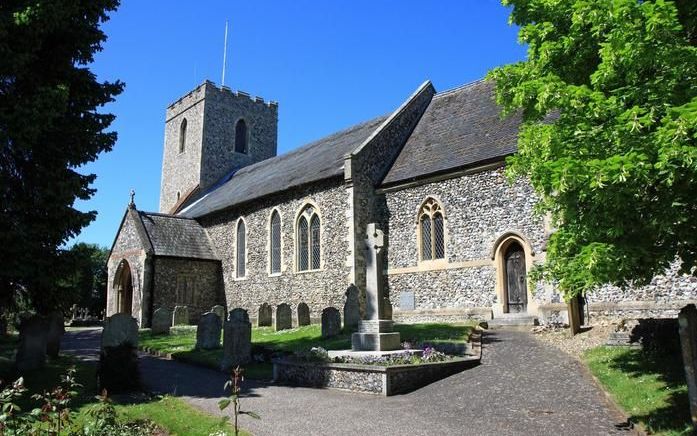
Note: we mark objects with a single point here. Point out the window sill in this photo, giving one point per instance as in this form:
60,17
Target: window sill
276,274
436,263
240,279
309,271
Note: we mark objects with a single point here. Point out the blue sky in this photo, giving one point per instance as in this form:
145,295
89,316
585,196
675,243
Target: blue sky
328,64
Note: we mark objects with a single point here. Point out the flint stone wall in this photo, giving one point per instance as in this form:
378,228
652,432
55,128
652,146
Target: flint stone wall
372,379
187,282
128,246
478,208
318,289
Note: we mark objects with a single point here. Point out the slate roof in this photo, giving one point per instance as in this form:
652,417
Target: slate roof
176,236
315,161
460,127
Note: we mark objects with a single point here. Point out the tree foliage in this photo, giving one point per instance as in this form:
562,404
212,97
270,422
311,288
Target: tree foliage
86,281
608,95
50,125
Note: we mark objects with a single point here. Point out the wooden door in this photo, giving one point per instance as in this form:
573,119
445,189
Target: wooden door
516,283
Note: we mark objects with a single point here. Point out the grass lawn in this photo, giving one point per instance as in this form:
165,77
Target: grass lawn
650,388
182,340
171,414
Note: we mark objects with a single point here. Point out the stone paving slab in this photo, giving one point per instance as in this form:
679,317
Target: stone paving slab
522,387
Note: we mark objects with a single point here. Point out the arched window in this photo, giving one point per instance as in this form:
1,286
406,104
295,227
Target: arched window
275,243
241,249
431,230
241,137
182,136
309,244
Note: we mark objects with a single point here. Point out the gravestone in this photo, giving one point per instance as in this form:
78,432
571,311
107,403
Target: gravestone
161,321
331,322
352,309
303,314
237,340
54,334
220,311
687,326
265,316
208,331
375,331
31,351
284,317
118,357
181,316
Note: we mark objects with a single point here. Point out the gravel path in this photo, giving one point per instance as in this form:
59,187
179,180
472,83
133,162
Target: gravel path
522,387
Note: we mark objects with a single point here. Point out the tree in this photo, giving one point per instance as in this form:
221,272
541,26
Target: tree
608,95
50,125
86,281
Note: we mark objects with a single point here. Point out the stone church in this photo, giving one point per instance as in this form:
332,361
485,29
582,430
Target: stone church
240,226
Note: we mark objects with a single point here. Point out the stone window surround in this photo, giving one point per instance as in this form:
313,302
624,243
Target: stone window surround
296,240
246,237
268,244
248,128
431,263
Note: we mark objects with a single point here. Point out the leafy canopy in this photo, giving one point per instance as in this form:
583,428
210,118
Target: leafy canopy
50,125
609,136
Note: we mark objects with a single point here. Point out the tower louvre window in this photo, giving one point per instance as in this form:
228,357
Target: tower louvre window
241,137
182,136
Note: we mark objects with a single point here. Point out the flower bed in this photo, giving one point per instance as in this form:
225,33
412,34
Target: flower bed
370,378
384,375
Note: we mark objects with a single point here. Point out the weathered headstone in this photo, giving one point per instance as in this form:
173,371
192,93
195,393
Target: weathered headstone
375,332
687,325
180,316
220,311
208,331
265,316
303,314
284,317
31,351
331,322
352,309
118,358
54,333
161,321
237,340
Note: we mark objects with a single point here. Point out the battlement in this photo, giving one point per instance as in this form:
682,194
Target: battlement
208,86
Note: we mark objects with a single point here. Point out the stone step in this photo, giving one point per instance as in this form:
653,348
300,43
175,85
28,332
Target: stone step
514,320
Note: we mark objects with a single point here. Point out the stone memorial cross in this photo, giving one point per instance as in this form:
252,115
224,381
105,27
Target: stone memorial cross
374,287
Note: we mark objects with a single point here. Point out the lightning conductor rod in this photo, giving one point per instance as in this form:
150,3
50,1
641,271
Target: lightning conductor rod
222,81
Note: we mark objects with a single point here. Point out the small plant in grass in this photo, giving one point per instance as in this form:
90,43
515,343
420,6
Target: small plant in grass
12,421
235,385
54,414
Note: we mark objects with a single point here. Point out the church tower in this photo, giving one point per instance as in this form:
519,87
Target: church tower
210,133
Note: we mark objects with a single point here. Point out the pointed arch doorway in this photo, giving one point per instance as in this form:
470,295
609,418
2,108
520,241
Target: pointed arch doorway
515,282
123,288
